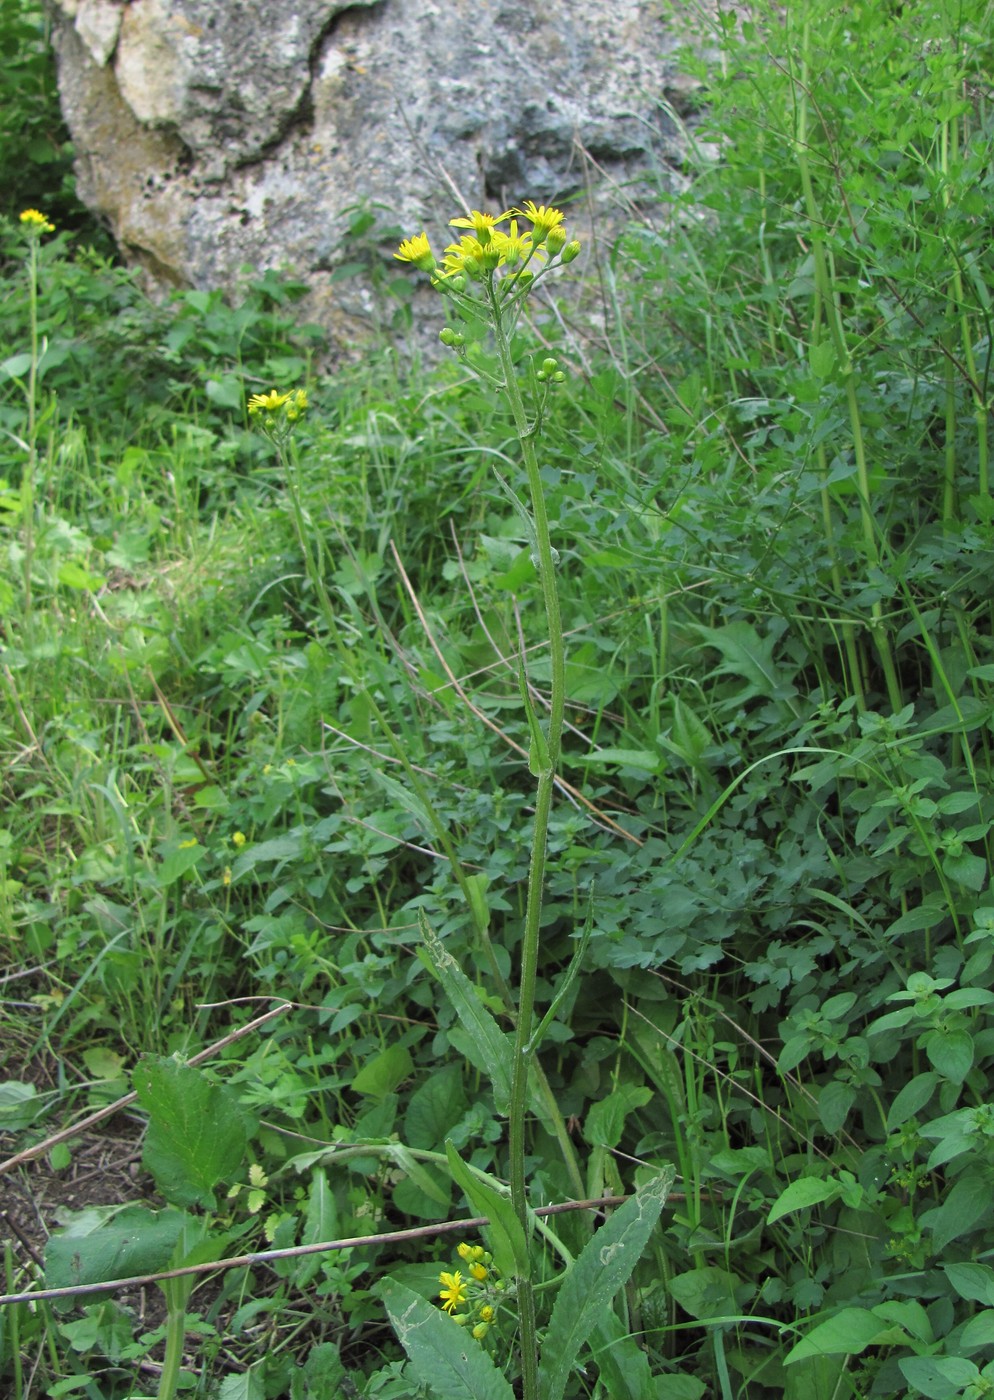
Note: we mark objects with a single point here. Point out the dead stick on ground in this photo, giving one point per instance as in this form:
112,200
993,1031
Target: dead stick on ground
266,1256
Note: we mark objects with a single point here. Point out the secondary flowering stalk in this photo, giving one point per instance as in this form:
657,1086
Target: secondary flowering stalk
278,414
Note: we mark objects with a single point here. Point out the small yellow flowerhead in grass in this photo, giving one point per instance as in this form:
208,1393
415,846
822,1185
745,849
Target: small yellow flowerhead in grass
238,839
267,403
453,1291
35,222
278,414
417,250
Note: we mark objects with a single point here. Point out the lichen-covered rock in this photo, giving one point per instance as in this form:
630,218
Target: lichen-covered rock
215,133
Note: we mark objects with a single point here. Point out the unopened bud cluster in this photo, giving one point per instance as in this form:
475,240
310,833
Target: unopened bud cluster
549,372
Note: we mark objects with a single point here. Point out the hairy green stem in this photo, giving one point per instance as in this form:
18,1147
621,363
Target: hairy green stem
175,1336
28,480
531,939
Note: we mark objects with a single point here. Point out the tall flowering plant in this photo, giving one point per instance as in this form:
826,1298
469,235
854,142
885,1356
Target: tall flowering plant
487,273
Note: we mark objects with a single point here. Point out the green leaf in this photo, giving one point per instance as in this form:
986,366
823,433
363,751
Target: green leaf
951,1053
835,1099
822,359
706,1292
938,1377
490,1050
196,1137
178,862
967,1202
382,1074
435,1108
979,1331
604,1267
446,1358
912,1098
848,1333
16,365
605,1122
19,1105
226,392
975,1282
320,1225
247,1386
802,1194
73,575
507,1237
104,1243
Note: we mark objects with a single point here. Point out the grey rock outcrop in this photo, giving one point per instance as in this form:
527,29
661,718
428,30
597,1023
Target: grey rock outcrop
211,134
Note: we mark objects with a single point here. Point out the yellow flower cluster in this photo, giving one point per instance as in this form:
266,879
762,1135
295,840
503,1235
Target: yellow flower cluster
35,221
278,413
472,1301
486,246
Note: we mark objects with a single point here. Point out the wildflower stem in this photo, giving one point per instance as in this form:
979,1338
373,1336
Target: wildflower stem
30,467
543,806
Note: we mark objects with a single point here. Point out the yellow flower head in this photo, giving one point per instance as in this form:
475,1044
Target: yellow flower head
453,1291
267,403
543,219
238,839
482,224
464,1251
417,250
468,255
479,1272
35,221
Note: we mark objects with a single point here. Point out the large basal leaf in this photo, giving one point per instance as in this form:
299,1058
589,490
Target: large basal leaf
100,1245
196,1136
605,1265
446,1358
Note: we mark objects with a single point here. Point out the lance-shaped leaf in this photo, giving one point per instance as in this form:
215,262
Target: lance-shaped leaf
507,1237
446,1358
489,1049
604,1266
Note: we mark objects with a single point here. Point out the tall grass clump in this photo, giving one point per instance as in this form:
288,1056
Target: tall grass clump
517,776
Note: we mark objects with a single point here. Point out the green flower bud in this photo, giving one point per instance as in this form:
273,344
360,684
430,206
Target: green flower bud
559,377
550,365
570,251
472,268
555,240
